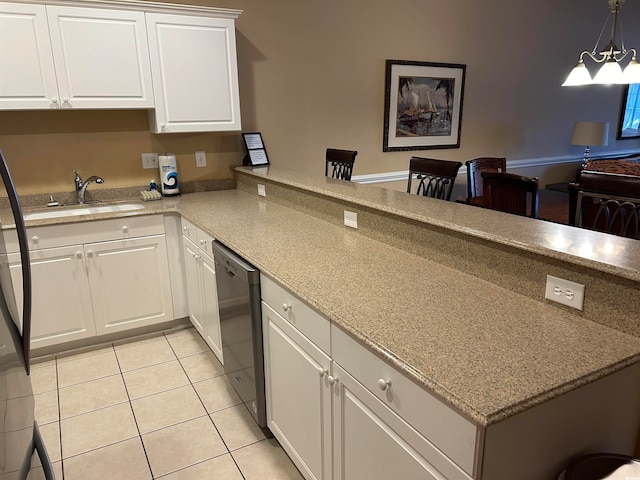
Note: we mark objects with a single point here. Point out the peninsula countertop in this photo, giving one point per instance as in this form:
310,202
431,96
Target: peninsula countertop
487,351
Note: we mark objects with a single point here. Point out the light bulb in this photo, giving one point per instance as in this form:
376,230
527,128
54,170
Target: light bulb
578,76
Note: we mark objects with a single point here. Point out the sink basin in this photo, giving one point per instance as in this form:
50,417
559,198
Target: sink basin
57,212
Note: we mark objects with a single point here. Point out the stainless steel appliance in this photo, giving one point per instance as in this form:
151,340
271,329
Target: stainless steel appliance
20,438
238,285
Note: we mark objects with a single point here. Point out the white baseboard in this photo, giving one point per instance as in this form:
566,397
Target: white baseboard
373,178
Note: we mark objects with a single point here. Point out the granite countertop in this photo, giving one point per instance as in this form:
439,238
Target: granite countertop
487,351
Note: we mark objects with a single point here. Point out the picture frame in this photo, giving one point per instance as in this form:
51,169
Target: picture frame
629,121
256,151
423,105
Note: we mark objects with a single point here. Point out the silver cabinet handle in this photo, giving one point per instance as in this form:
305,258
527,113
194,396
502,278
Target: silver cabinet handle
125,229
322,371
332,380
78,255
286,307
90,253
35,239
384,384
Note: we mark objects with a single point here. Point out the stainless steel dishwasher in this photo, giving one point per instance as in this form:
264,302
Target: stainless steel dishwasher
238,285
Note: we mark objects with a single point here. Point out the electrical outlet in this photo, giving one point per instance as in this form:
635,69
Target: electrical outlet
261,190
201,159
564,292
149,160
350,219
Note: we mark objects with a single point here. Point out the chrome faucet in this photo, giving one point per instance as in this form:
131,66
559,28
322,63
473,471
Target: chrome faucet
81,187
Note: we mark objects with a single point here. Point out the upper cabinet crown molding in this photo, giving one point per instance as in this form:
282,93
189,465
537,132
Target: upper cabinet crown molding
115,54
142,6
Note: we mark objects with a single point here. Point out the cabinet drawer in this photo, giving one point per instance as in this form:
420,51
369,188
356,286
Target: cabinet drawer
189,230
309,322
204,241
452,433
49,236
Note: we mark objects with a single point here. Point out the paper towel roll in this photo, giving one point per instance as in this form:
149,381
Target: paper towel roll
168,174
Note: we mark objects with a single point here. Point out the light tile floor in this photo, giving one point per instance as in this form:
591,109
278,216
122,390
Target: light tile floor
152,408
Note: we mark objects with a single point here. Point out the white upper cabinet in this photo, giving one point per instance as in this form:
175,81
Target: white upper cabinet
101,57
28,79
73,57
195,78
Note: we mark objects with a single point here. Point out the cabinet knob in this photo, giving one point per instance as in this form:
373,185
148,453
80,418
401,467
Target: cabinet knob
332,380
384,384
35,239
78,255
203,242
125,229
322,371
186,229
54,101
65,100
90,253
286,307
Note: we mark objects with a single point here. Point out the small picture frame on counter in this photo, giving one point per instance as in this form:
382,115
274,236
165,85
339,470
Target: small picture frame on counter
256,152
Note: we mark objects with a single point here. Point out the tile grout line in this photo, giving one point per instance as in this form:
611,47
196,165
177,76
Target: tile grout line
207,412
144,449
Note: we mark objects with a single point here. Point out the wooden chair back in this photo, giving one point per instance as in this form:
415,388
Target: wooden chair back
435,177
340,162
511,193
606,202
475,168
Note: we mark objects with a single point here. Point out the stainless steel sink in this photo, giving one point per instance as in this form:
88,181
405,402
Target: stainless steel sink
76,210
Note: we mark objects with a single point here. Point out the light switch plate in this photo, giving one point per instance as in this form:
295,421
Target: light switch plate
261,190
564,292
201,159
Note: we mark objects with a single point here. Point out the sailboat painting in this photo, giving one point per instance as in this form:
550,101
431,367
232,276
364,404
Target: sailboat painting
423,105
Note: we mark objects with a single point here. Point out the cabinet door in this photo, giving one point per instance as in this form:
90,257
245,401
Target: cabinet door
61,300
298,395
129,281
194,284
195,79
28,79
101,57
210,314
370,441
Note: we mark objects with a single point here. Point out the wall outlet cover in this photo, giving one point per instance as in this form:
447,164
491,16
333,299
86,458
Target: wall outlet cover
149,160
261,190
351,219
565,292
201,159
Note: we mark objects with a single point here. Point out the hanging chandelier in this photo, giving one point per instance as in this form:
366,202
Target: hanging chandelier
610,57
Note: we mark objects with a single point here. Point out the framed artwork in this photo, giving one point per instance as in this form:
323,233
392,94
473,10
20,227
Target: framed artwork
629,123
256,152
423,105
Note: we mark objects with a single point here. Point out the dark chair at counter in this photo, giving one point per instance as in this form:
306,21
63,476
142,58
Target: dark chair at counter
606,202
436,177
475,168
341,162
511,193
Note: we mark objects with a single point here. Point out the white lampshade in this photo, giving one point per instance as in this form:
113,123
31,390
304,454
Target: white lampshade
578,76
590,134
609,73
631,74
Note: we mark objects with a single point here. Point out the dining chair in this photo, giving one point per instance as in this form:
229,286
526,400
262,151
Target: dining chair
606,202
341,163
510,193
436,177
475,168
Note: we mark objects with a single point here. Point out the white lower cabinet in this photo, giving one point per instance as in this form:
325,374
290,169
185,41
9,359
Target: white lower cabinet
298,395
97,287
201,286
331,424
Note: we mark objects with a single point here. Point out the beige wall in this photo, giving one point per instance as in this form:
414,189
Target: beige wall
312,76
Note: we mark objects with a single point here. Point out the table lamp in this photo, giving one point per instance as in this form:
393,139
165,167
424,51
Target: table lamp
590,134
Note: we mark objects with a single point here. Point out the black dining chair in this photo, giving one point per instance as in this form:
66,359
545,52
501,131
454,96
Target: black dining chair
606,202
435,177
340,162
510,193
475,168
